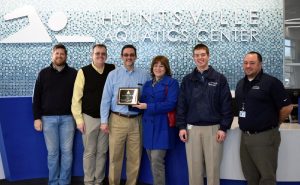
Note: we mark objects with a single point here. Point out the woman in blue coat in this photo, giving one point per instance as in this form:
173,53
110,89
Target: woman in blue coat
159,97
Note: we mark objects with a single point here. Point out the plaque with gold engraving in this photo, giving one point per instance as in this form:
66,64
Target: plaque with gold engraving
128,95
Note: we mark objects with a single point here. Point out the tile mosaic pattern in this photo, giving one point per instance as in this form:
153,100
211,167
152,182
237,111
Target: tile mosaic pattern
20,63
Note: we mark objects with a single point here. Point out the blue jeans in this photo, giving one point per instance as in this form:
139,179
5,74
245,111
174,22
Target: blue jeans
59,135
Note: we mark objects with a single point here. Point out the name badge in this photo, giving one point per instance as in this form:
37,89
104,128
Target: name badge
189,127
242,114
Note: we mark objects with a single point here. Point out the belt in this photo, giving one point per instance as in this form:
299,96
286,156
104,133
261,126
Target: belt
248,132
126,115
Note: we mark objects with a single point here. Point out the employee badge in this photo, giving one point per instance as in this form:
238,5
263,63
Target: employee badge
242,113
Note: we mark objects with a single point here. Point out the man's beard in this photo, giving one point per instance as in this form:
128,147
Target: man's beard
60,63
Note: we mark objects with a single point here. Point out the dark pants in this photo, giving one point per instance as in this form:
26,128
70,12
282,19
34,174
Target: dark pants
259,153
157,162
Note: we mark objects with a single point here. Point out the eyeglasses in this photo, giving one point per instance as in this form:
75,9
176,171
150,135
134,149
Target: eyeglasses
128,55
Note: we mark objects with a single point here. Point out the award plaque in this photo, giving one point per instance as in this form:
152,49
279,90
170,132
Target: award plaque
128,96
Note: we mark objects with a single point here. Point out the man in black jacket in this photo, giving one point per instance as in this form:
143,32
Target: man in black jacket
52,114
263,104
203,116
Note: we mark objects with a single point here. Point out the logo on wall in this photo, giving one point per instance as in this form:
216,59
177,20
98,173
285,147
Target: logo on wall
35,31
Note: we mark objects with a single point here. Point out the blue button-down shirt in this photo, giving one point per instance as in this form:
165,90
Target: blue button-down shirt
117,78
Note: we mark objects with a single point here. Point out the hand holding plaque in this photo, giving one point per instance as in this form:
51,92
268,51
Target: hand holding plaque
128,96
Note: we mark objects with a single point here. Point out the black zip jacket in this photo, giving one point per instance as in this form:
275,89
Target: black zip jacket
204,99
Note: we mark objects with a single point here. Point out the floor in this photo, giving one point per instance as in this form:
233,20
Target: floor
75,181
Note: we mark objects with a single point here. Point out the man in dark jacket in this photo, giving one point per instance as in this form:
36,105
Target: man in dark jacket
203,116
263,104
52,114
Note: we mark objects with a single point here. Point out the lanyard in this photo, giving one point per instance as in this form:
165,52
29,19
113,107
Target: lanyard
247,86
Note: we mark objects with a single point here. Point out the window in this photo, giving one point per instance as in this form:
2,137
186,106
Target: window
289,50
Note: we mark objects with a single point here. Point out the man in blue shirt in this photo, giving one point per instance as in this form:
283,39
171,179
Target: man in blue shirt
123,125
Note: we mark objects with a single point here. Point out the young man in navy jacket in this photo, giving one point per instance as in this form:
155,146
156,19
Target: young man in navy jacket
203,116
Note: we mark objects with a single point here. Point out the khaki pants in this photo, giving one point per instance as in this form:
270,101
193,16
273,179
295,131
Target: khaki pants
204,153
124,132
95,144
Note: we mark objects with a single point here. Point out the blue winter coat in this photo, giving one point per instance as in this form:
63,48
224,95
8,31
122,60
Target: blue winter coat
156,132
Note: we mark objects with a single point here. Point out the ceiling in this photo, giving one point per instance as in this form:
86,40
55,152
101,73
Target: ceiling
292,9
292,18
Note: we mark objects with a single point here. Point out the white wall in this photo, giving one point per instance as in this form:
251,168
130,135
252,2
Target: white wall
1,169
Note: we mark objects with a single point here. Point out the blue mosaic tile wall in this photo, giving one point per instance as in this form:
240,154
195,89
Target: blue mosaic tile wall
217,23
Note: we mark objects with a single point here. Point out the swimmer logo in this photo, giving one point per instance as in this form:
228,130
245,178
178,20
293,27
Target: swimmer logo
36,32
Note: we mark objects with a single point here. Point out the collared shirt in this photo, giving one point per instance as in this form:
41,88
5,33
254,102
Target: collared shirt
154,81
202,75
261,99
58,68
78,94
120,77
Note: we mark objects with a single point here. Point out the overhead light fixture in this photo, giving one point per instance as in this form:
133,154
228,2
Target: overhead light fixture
295,19
292,23
293,26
